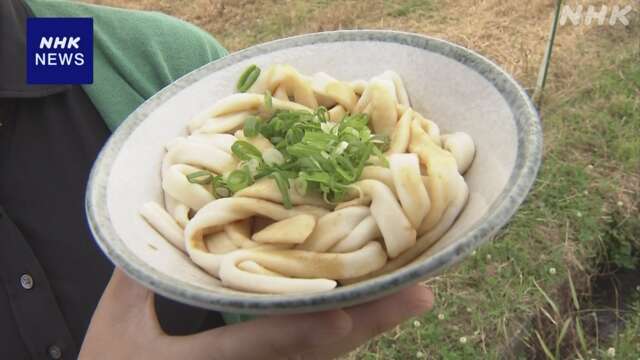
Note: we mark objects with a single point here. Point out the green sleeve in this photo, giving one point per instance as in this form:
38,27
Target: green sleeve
136,53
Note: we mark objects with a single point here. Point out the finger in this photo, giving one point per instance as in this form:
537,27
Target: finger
124,301
267,338
125,315
377,317
382,315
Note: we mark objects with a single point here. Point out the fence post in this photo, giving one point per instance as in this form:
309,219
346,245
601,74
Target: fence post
544,66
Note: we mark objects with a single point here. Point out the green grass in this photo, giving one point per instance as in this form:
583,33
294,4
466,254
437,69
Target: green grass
279,24
404,8
302,16
627,342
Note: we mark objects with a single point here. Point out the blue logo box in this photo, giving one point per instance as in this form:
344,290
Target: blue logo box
59,50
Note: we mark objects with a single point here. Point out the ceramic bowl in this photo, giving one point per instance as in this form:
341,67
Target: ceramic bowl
453,86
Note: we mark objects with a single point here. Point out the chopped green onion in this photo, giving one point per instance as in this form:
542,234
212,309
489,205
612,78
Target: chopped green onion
323,114
302,150
319,140
283,186
310,154
219,187
317,177
251,127
268,101
341,148
351,131
222,192
248,77
200,177
377,152
252,166
273,157
238,179
295,135
245,150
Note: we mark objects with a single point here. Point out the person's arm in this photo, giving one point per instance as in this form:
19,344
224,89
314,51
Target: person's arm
124,326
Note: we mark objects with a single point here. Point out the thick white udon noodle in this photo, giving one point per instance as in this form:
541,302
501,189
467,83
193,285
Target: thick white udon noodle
252,243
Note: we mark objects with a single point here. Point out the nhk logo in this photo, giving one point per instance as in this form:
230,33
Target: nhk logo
602,16
60,50
57,58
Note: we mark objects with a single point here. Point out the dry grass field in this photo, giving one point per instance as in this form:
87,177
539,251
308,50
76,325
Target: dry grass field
536,291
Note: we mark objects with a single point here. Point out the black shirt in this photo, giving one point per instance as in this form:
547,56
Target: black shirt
51,270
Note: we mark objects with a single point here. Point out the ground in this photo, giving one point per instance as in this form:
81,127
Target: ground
535,291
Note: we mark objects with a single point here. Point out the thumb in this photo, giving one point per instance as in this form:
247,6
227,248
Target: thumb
123,297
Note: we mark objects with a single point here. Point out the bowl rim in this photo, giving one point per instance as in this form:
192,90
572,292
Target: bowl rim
528,159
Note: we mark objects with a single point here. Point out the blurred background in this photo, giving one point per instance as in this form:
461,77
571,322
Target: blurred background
562,280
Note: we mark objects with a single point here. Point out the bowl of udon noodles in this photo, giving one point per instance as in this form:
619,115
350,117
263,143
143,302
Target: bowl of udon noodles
314,172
